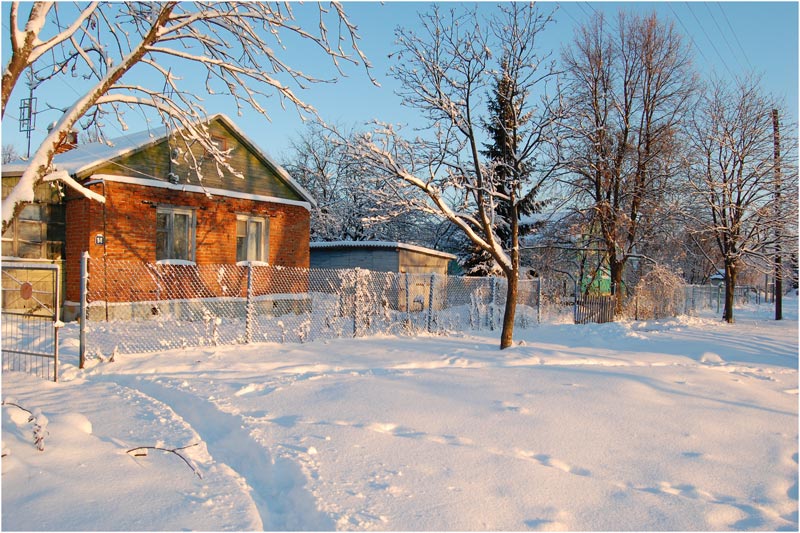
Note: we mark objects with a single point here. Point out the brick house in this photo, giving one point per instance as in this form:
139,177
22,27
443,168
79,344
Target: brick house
159,210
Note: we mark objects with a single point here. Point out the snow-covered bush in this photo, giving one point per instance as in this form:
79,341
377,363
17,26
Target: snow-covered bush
659,294
359,299
39,423
303,331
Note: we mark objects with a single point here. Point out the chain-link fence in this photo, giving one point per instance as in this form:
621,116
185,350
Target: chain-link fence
712,297
139,307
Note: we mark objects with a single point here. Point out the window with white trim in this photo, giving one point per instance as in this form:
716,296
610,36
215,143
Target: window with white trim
175,233
252,236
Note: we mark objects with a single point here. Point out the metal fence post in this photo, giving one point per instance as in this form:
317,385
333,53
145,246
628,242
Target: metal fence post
57,320
356,286
248,323
575,303
408,298
430,304
539,302
491,303
83,312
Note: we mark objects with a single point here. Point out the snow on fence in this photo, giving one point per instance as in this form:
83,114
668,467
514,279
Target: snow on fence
701,297
139,307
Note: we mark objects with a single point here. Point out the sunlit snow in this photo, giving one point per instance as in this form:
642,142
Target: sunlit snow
679,424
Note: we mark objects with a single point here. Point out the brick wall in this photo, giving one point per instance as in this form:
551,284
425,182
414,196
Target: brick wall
128,223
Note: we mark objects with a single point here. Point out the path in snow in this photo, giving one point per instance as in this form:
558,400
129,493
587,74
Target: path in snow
84,479
276,486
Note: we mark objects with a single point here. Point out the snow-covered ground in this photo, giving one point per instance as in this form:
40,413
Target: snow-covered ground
681,424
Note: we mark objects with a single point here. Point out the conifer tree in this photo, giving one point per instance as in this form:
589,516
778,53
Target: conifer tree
505,122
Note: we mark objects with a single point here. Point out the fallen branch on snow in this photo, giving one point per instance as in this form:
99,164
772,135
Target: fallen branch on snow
143,453
15,405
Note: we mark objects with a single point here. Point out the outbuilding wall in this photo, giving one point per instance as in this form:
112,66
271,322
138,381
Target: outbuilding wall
382,258
375,259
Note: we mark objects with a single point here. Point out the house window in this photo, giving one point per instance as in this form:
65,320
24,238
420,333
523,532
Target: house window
251,238
175,230
38,232
221,144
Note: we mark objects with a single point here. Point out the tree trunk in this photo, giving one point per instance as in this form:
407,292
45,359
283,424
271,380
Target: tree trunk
512,277
616,268
507,335
730,285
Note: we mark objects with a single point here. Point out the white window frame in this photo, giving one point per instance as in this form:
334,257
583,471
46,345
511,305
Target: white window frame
171,211
262,244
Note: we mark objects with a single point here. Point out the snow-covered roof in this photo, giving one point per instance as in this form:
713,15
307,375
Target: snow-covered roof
547,217
719,275
380,244
87,156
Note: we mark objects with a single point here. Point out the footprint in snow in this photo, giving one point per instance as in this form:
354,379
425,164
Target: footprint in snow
549,461
506,406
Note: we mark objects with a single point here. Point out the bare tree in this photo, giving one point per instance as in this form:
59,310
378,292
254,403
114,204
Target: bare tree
10,153
132,56
350,205
731,169
446,67
628,88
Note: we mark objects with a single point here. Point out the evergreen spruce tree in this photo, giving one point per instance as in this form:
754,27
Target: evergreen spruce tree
508,172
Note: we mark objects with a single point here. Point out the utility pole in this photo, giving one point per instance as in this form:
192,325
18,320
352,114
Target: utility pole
778,266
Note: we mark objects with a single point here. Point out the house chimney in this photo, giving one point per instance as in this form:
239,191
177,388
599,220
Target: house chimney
67,141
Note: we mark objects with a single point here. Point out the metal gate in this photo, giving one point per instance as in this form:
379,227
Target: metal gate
594,308
30,318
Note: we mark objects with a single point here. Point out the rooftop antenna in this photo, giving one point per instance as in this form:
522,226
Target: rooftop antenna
27,113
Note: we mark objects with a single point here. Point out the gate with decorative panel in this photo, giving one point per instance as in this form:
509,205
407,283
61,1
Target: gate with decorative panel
30,318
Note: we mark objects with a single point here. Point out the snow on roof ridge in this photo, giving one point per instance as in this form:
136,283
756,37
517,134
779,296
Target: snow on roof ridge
380,244
85,156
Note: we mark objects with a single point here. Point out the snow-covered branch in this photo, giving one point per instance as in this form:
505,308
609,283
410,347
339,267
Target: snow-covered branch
110,43
67,180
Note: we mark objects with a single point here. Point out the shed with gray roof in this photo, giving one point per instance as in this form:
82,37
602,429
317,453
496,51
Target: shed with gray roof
379,256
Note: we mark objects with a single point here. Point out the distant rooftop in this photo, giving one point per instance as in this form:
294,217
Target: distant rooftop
381,245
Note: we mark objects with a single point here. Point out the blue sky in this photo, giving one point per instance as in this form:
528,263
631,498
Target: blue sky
726,37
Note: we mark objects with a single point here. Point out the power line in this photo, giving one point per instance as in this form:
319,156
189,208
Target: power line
714,19
567,13
735,36
591,7
680,21
585,13
703,29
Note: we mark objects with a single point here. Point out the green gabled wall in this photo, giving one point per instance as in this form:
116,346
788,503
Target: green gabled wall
153,162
